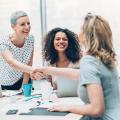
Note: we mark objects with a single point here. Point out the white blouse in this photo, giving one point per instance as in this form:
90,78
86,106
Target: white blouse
9,76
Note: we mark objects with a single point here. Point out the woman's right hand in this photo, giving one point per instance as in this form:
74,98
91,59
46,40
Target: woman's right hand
37,74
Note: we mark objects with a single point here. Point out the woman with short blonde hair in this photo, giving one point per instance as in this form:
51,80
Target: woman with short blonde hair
16,53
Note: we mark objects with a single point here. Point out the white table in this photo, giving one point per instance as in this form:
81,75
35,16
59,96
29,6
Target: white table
17,102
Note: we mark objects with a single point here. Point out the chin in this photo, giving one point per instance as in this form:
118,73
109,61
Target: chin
26,34
61,50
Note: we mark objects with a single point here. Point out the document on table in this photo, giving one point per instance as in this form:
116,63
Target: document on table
11,92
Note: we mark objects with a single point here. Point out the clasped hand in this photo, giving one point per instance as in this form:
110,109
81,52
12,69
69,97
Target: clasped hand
37,73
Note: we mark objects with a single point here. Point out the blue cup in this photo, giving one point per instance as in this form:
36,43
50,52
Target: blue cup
27,89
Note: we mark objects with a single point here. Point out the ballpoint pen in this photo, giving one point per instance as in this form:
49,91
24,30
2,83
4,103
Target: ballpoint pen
31,97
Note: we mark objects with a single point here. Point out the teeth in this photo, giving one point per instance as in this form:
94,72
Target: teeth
61,46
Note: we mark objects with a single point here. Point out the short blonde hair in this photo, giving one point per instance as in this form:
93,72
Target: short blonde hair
16,15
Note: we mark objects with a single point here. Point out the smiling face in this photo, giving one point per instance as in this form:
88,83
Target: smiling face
60,42
22,26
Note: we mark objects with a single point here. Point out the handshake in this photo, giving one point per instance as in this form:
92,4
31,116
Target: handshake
38,73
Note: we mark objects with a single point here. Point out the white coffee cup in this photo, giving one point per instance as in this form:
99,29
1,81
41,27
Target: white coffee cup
46,90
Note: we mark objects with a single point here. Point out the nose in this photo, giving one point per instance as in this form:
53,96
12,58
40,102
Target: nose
27,26
61,40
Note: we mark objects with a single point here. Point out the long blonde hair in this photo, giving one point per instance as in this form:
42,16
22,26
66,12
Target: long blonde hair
98,41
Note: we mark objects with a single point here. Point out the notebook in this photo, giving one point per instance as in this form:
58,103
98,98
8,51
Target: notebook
43,111
66,87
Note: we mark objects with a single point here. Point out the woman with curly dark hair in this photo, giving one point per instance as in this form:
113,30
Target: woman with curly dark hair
61,49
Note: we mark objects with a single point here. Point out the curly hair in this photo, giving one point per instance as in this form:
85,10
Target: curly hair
99,39
72,52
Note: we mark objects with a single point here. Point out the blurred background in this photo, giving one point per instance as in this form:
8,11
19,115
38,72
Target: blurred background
47,14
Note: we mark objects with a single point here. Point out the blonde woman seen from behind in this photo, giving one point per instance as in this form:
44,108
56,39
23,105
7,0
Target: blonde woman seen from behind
99,85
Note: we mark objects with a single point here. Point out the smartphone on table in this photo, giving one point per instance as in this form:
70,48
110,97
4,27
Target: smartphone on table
12,112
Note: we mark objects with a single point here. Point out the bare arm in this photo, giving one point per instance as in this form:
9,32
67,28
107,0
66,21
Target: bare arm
96,106
26,76
71,73
7,55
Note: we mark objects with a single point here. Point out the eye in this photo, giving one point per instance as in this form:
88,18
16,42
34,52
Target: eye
22,24
28,23
65,39
57,39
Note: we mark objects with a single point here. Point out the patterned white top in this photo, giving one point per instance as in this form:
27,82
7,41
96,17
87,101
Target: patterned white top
9,76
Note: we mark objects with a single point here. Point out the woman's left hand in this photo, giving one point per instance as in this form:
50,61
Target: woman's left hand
60,108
